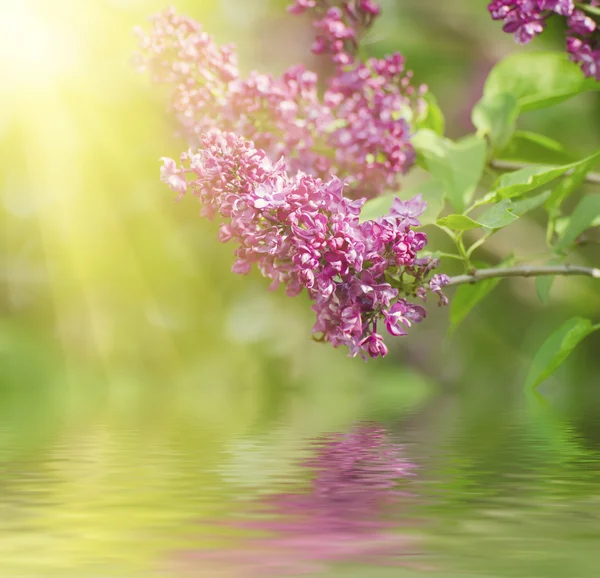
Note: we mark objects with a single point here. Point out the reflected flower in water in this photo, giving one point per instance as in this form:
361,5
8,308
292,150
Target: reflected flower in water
349,512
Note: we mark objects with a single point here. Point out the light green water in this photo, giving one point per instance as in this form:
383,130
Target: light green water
125,480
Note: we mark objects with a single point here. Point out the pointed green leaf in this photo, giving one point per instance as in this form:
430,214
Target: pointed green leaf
458,222
570,183
458,166
432,118
498,216
555,350
432,192
543,284
495,116
466,297
517,183
529,147
538,79
527,204
583,217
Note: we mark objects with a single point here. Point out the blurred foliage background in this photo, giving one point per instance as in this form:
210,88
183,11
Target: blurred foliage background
119,312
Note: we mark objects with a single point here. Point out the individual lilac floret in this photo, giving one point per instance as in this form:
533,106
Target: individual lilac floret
525,19
436,285
358,129
303,233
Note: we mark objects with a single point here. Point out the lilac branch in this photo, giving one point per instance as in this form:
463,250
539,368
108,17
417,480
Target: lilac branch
526,271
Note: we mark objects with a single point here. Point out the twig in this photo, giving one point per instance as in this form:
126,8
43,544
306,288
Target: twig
511,166
529,271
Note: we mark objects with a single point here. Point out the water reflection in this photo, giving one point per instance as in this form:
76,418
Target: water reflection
349,510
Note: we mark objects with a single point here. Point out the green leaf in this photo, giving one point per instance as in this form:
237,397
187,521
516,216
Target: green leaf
543,284
590,9
432,192
458,166
529,147
495,116
570,184
498,216
458,222
518,182
432,118
538,79
583,217
556,349
466,297
527,204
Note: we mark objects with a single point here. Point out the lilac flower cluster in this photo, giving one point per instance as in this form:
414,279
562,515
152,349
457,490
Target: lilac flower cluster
303,233
525,19
358,129
338,25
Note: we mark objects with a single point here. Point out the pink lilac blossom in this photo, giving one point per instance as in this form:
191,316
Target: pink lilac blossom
349,512
525,19
301,232
339,25
358,129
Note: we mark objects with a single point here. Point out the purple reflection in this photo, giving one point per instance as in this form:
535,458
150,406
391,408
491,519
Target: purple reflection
350,512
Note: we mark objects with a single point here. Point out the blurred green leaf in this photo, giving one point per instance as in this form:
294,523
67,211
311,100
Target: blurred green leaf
583,217
543,284
521,181
555,350
495,116
537,79
466,297
523,206
432,118
432,192
458,166
498,216
530,147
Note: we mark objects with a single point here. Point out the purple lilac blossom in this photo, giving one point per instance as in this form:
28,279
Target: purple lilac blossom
301,232
348,512
358,129
525,19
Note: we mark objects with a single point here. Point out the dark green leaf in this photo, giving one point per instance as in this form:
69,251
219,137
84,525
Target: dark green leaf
583,217
538,79
495,116
529,147
432,192
556,349
458,166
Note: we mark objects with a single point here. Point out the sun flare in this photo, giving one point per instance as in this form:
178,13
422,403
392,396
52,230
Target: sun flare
35,48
